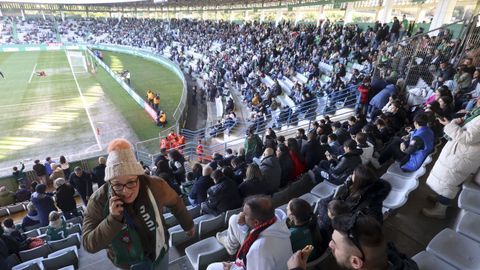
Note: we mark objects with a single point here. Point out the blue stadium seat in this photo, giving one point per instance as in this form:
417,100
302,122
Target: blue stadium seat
469,201
468,225
204,252
428,261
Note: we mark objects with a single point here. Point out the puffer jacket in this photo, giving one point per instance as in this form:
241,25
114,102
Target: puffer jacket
222,197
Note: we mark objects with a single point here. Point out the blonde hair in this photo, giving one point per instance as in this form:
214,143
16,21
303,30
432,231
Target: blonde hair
253,171
53,216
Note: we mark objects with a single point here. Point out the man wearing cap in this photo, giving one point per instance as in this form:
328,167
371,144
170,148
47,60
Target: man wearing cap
125,215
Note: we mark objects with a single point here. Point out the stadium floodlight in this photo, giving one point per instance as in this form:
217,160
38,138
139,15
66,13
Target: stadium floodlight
77,2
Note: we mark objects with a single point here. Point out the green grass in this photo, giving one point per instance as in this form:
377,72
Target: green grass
147,75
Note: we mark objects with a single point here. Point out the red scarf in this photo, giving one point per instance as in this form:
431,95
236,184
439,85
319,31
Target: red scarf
251,237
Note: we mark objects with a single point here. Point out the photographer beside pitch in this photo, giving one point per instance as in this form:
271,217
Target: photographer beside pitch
124,216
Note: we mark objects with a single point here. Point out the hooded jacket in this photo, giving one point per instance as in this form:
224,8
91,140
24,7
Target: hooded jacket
272,172
44,205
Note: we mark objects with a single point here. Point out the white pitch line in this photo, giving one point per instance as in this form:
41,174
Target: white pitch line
84,103
49,81
37,102
33,71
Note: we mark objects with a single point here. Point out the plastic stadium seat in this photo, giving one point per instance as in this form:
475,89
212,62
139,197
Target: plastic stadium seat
194,211
283,207
35,264
470,201
230,213
468,225
178,236
43,230
395,199
71,240
395,169
182,263
463,254
204,252
324,189
428,261
70,267
61,258
471,186
38,252
44,237
310,198
211,225
170,220
16,208
400,183
75,220
4,212
33,227
32,233
77,228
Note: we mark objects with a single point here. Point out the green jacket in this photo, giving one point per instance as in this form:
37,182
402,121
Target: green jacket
58,234
301,237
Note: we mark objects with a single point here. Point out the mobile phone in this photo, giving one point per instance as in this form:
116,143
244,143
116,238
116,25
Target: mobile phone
327,153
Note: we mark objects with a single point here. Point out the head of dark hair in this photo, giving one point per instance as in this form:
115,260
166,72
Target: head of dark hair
361,138
190,176
63,160
421,119
293,145
301,131
229,151
162,167
324,139
332,136
337,124
338,207
350,144
281,139
8,223
261,207
217,175
197,169
363,176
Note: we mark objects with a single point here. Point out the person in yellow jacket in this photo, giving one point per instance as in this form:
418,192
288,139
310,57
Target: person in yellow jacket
156,102
150,96
162,119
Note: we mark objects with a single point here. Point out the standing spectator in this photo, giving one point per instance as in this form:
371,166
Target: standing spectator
296,157
6,197
176,163
65,166
22,194
459,158
57,172
48,168
31,219
222,196
286,165
64,197
40,171
99,171
82,182
43,203
362,101
165,172
311,151
381,99
57,227
19,174
253,146
198,194
271,170
395,30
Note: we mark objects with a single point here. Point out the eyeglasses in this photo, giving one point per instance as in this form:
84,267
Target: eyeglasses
352,236
129,185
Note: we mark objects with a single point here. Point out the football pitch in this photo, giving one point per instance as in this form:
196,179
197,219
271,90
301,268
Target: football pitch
69,111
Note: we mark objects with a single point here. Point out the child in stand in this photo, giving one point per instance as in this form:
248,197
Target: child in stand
57,228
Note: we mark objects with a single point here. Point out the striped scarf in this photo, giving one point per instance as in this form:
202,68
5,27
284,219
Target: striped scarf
251,237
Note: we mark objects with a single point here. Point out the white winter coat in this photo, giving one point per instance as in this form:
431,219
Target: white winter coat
459,158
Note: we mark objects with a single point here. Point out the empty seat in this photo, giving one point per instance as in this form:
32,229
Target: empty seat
70,267
395,169
470,201
323,190
16,208
77,228
194,211
75,220
178,236
204,252
32,233
71,240
395,199
4,212
12,260
428,261
35,264
33,227
210,225
43,230
471,186
468,225
170,220
182,263
310,198
455,249
38,252
401,183
61,258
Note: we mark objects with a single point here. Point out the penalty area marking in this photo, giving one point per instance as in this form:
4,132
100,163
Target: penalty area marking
83,102
33,71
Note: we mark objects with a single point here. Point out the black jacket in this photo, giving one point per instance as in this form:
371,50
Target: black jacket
82,184
199,189
222,197
64,198
311,152
253,187
99,174
345,165
286,166
272,172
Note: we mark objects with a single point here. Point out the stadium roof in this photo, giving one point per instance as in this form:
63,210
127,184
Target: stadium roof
76,2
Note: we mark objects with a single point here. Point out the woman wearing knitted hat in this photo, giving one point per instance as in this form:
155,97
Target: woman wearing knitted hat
125,215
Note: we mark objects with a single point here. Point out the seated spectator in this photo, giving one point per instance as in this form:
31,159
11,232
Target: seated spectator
303,227
296,157
186,186
22,194
6,197
165,172
98,173
57,227
57,172
271,170
239,169
336,149
341,133
32,218
254,182
18,174
412,149
8,245
198,194
286,165
260,235
253,146
336,170
358,243
9,228
366,146
64,198
43,203
222,196
82,182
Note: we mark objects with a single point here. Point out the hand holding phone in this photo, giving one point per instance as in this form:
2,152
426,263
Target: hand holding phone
116,207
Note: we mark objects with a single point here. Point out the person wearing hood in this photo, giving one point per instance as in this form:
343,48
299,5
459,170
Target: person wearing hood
57,227
124,216
337,170
43,202
271,171
6,197
260,235
31,219
64,198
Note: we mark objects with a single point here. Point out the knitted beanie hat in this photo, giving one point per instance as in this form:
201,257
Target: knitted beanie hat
121,160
